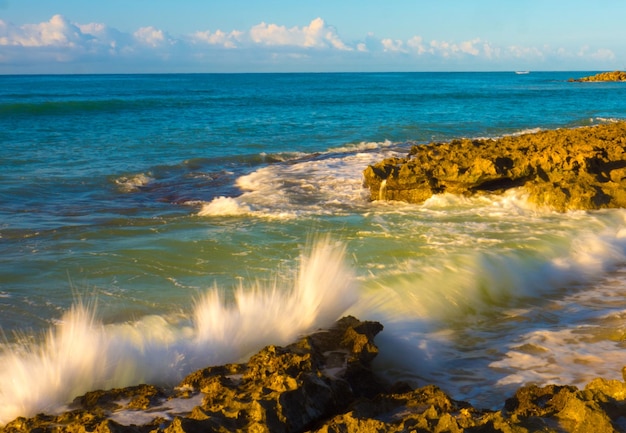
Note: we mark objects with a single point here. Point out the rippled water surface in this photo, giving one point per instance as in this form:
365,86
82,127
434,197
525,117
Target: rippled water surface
165,222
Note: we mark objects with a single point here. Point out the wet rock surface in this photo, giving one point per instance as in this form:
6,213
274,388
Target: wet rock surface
580,168
324,383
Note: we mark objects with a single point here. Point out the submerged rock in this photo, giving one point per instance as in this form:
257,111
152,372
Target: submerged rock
323,383
581,168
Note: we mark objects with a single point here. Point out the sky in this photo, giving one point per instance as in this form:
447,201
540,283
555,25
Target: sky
169,36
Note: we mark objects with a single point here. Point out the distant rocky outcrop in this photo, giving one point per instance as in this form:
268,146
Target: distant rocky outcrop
603,76
323,383
579,168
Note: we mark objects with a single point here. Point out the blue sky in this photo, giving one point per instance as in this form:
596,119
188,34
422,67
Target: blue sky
81,36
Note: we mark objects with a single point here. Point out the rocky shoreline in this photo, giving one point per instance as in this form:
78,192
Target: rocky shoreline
323,383
565,169
613,76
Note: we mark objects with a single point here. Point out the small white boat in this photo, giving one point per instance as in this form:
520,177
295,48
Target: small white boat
522,72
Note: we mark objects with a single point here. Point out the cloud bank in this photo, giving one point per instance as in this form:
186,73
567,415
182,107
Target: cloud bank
60,45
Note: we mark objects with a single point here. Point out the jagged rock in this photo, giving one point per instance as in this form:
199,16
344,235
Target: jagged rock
581,168
323,383
280,389
425,409
291,388
597,408
602,76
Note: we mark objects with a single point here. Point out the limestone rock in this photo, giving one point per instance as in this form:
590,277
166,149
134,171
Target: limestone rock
569,409
603,76
280,389
580,168
323,383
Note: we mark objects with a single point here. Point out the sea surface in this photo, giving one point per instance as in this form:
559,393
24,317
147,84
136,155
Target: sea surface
151,225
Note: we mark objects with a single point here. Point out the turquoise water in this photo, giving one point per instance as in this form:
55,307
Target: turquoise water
134,208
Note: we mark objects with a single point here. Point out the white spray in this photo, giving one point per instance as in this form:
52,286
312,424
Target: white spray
81,354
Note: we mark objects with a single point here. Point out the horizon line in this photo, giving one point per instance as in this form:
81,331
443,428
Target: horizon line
305,72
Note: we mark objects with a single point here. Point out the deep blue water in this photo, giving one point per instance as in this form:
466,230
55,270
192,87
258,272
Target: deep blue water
146,191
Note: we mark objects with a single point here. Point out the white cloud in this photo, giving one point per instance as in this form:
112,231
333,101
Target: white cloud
335,41
150,36
443,48
93,28
491,52
226,40
395,46
599,54
416,43
316,35
470,47
448,49
603,54
316,45
55,32
525,52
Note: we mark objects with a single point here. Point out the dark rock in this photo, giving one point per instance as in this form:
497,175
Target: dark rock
291,388
581,168
425,409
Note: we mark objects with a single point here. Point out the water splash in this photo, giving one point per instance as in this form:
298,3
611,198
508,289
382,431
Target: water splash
81,354
223,206
382,192
470,292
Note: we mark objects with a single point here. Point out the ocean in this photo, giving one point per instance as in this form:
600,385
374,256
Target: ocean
151,225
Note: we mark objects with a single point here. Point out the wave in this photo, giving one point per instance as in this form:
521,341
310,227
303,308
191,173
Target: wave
82,354
466,285
317,184
249,160
363,146
466,256
224,206
606,119
193,180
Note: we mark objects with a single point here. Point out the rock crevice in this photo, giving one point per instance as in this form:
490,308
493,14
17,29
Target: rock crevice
580,168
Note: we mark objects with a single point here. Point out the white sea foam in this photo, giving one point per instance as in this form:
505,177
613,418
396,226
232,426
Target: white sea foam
363,146
607,119
584,339
224,206
328,184
82,354
461,283
562,356
133,183
526,131
168,410
454,264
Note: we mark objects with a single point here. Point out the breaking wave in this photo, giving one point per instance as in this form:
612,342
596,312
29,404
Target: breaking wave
81,354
